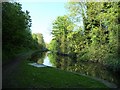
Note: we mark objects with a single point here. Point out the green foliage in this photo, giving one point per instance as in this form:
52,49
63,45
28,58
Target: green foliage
62,26
94,32
39,40
53,45
16,32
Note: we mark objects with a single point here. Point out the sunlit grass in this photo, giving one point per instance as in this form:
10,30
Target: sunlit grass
27,76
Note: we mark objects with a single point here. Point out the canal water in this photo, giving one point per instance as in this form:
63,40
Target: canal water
71,64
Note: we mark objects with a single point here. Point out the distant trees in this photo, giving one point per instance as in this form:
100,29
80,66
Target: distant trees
38,37
93,32
16,32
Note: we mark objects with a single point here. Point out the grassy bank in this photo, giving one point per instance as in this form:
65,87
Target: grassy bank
26,76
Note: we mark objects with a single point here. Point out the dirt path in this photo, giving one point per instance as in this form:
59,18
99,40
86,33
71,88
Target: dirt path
16,60
11,67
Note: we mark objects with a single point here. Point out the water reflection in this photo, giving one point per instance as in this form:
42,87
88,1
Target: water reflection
87,68
40,59
74,65
47,61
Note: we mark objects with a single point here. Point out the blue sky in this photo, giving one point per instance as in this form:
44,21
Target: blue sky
43,14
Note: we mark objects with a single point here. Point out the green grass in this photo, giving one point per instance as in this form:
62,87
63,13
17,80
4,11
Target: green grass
27,76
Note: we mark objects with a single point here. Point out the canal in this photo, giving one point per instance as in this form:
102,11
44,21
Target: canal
43,59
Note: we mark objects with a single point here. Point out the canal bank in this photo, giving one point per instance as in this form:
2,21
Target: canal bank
24,75
93,70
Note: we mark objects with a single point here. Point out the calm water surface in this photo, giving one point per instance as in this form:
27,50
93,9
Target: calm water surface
74,65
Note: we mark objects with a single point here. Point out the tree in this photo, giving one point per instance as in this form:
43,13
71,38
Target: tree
99,34
16,33
61,27
38,37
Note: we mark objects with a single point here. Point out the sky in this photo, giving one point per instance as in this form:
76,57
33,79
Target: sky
42,15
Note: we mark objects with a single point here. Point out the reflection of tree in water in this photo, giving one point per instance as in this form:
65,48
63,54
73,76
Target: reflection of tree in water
87,68
40,61
95,70
92,69
38,57
60,61
52,58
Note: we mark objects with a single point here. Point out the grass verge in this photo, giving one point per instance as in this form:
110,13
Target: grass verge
27,76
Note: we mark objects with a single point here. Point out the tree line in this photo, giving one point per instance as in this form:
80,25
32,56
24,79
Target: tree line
90,31
16,32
